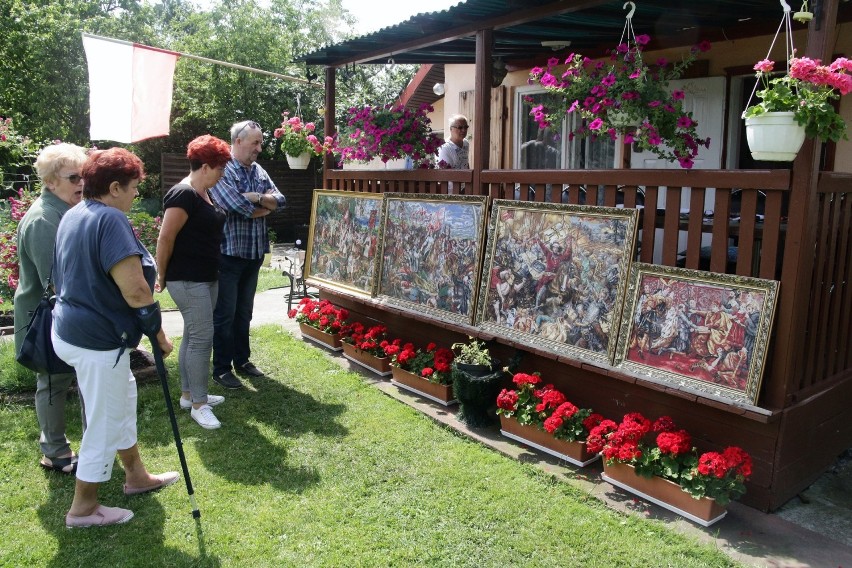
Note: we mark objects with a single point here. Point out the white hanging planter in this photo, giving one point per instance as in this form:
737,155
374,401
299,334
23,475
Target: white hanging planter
299,162
774,136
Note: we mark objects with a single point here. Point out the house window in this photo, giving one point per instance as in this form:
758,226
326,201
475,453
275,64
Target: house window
549,148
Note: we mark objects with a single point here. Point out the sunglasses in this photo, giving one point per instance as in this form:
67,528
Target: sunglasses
73,178
465,127
250,124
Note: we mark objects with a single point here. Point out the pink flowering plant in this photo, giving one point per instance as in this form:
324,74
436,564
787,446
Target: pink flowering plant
807,90
320,314
623,96
660,448
432,363
297,137
532,403
390,132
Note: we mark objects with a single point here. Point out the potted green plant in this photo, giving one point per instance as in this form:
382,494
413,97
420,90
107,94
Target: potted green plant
473,357
796,105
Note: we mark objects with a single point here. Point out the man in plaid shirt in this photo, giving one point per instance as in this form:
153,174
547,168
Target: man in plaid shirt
247,195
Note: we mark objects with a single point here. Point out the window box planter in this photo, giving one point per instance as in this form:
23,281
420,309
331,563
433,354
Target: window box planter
379,365
572,452
327,340
442,394
666,494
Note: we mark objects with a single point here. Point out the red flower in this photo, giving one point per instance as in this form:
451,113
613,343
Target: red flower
507,400
427,372
674,443
521,379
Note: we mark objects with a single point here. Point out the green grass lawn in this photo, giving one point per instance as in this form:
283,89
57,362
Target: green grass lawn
315,467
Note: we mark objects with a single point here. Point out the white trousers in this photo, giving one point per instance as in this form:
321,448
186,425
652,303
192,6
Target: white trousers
109,390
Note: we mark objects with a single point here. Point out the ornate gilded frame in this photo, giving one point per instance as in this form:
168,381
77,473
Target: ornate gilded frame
432,253
555,276
343,241
723,323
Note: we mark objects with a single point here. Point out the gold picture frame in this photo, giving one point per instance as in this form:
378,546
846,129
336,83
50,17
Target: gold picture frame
697,330
432,253
555,276
343,239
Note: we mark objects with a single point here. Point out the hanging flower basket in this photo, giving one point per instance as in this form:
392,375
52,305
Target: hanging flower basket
774,136
299,162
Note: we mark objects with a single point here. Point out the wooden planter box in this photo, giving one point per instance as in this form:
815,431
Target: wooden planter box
442,394
380,366
572,452
704,511
328,340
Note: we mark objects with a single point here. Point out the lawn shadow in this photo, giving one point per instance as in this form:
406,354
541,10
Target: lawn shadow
115,545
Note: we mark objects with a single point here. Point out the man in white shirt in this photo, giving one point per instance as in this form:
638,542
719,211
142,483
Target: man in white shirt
454,153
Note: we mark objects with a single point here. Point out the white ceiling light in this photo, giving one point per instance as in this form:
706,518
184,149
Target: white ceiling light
438,89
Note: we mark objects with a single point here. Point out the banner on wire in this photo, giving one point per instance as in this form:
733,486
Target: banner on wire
130,90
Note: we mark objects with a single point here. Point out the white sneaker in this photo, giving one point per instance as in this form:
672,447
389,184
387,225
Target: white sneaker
212,400
205,417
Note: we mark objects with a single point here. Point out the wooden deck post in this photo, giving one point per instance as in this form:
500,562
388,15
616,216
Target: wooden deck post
796,274
330,95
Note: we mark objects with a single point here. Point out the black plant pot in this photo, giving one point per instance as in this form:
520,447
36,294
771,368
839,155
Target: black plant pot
475,370
477,394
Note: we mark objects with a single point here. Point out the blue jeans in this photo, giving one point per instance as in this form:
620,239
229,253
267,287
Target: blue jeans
232,316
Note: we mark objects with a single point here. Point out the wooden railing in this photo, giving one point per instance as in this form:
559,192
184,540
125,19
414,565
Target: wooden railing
749,243
827,337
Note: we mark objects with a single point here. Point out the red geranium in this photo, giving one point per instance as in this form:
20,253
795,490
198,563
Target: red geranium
433,364
371,340
321,314
661,449
546,408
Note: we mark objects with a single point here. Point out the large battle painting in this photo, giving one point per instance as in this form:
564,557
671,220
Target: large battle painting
431,253
344,239
700,330
555,276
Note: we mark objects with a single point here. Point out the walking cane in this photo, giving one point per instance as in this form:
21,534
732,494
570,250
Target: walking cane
161,370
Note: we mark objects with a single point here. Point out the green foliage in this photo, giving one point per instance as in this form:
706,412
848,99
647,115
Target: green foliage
474,352
147,229
14,378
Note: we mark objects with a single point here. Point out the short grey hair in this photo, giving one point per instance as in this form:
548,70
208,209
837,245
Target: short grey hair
53,158
455,118
242,128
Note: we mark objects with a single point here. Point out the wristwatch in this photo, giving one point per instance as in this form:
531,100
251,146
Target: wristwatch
259,195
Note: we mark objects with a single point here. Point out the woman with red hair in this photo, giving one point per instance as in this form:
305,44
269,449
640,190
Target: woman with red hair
188,264
104,281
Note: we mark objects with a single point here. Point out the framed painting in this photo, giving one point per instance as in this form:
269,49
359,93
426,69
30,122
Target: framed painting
555,276
697,330
432,253
343,240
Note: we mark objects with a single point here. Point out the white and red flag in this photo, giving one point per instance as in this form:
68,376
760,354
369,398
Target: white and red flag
130,89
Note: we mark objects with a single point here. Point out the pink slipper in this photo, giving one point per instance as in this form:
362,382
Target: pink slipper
165,479
101,517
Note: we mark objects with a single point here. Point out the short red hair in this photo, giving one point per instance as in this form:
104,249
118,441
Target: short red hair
103,167
209,150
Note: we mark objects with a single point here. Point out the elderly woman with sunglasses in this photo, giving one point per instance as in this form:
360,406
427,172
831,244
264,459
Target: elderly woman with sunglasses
58,167
104,287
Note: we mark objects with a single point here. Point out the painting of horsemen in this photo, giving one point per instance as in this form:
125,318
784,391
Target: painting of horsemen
697,330
555,276
343,240
431,254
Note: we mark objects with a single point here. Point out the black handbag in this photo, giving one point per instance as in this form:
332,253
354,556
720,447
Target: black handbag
37,352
